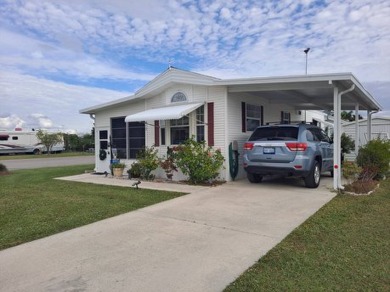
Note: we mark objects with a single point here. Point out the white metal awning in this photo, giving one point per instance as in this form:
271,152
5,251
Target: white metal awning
164,113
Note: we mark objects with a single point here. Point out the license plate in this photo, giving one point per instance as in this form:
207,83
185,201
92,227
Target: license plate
269,150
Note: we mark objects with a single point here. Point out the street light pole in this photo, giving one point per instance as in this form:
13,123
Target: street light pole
306,52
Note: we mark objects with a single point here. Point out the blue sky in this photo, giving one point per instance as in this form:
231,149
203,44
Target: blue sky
57,57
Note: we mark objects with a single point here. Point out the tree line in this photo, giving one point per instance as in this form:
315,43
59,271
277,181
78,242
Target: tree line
74,142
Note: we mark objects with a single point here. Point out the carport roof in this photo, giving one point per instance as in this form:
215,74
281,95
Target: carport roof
305,91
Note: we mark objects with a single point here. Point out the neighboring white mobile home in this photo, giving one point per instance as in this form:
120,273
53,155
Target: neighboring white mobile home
179,104
19,141
380,128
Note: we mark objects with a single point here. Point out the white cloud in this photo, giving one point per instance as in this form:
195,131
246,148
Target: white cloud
41,121
10,122
21,53
119,41
264,37
48,104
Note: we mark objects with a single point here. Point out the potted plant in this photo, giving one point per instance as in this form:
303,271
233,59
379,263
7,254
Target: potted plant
117,169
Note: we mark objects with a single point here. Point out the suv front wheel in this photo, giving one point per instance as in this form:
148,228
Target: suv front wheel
313,179
254,177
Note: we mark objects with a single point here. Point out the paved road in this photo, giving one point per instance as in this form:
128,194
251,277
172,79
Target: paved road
15,164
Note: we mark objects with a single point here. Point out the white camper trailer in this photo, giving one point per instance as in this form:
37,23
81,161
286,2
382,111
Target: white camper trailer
19,141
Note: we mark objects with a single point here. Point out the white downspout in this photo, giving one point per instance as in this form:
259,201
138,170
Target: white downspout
93,117
357,131
337,136
369,124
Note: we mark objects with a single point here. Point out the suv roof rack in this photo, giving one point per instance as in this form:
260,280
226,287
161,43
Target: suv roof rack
290,123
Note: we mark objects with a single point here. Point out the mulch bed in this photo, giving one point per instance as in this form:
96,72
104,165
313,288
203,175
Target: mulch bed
361,187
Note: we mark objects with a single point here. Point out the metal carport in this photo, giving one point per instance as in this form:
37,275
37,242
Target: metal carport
331,92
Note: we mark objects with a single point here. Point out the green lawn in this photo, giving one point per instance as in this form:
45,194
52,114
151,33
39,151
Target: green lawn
32,156
34,205
343,247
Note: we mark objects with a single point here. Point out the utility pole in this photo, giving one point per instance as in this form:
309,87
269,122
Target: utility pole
306,53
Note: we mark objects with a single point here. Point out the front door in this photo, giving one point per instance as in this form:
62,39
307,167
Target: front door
103,151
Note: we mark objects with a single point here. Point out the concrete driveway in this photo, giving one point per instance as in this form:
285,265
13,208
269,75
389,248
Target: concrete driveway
198,242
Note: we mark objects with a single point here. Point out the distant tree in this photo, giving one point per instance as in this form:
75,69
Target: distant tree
86,141
349,116
49,139
347,144
72,142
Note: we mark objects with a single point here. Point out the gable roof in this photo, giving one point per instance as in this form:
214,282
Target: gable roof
157,85
171,76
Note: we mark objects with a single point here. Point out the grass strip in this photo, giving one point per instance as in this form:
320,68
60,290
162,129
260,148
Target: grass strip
34,205
345,246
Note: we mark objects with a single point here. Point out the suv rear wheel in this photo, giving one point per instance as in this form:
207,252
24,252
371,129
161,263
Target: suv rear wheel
254,177
313,179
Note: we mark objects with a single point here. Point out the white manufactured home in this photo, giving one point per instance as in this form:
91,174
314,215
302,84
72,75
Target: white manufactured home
21,141
178,104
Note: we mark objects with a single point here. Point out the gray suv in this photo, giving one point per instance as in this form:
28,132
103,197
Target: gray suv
302,150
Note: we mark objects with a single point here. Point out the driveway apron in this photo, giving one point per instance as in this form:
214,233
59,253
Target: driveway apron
197,242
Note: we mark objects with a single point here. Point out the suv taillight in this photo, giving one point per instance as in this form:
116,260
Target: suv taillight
293,146
248,146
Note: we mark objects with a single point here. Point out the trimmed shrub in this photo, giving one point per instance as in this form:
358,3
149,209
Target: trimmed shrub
135,170
374,158
148,161
3,168
198,161
351,171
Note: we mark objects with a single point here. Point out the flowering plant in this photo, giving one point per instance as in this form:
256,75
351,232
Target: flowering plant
200,162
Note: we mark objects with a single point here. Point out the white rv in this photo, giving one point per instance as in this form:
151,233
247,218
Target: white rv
19,141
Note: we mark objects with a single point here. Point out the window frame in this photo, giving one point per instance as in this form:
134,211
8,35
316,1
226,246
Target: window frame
118,125
132,138
249,126
200,117
184,125
286,118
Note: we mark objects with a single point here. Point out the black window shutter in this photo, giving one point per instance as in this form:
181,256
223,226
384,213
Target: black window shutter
243,116
262,115
210,122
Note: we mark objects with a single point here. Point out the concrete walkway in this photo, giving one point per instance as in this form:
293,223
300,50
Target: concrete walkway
198,242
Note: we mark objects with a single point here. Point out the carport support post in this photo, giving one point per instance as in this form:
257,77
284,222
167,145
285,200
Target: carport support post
357,131
368,125
336,138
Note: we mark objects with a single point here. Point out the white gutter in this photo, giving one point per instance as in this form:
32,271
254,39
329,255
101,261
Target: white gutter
369,123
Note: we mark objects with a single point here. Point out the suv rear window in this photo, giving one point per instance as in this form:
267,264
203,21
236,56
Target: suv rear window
274,134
